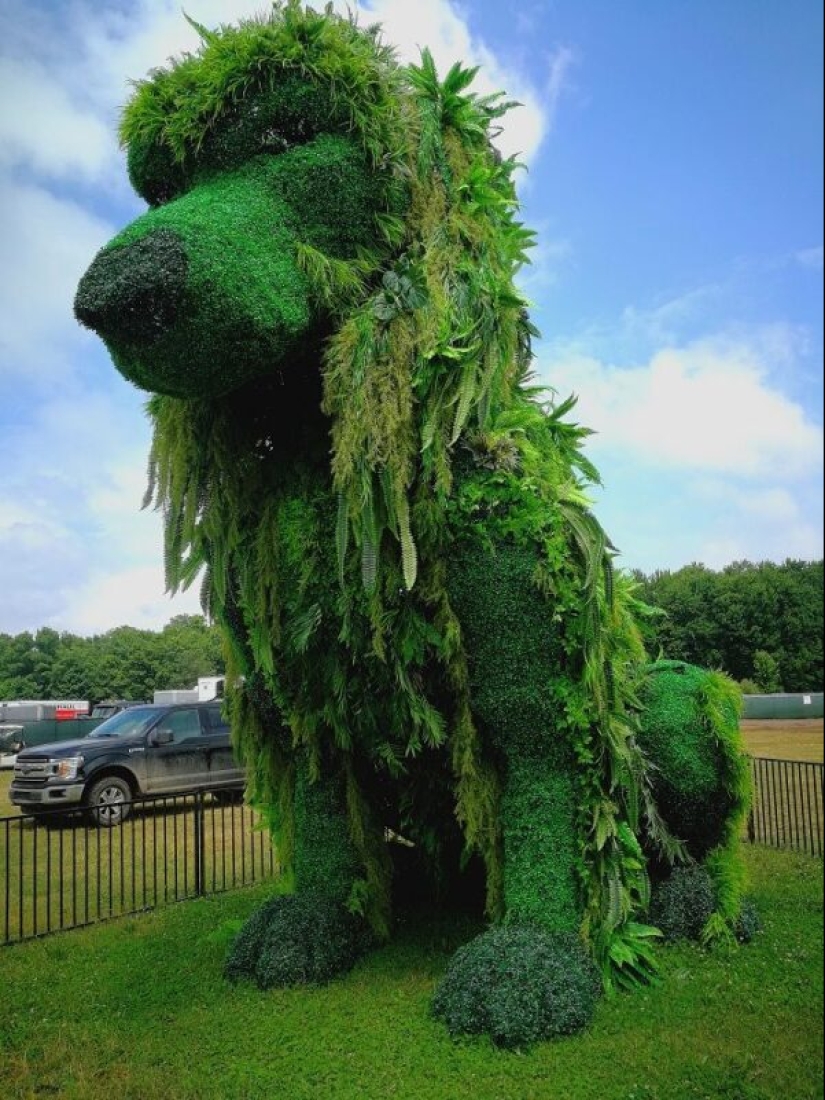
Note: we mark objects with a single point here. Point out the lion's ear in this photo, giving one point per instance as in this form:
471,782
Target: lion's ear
154,173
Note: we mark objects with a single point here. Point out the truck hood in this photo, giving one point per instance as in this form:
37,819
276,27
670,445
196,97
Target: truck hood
83,746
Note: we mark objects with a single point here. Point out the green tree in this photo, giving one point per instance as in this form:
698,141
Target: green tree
188,648
766,672
721,619
122,663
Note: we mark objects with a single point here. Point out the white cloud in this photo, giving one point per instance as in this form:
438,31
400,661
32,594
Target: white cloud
661,324
703,457
133,597
64,121
85,559
705,407
48,243
45,130
561,61
760,541
70,517
16,517
112,46
76,552
547,261
439,26
38,556
774,505
755,523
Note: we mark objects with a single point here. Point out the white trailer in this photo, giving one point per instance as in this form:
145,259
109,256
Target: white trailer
206,689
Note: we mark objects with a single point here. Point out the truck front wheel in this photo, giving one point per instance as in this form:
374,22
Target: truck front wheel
109,801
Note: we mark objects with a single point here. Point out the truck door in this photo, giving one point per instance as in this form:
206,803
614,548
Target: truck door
180,764
223,767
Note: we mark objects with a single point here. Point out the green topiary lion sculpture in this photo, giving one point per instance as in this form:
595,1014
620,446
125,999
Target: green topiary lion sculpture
434,662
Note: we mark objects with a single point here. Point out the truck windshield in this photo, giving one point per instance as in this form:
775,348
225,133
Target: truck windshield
128,722
105,712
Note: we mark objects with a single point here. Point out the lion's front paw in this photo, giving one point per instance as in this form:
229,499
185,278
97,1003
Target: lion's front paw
518,984
297,940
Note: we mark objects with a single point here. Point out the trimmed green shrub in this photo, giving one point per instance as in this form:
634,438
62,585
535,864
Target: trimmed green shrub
516,649
749,923
200,295
682,905
518,984
296,940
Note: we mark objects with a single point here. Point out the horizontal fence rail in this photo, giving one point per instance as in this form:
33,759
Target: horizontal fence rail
787,804
59,870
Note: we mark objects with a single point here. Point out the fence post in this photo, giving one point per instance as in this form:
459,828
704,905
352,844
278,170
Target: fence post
199,844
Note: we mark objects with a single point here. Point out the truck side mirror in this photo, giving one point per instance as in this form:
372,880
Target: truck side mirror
161,737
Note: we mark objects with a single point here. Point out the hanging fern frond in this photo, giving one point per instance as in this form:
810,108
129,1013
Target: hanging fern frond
409,555
369,553
342,535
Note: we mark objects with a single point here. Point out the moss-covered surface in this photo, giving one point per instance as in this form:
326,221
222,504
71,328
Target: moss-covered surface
299,939
683,904
694,754
227,300
516,654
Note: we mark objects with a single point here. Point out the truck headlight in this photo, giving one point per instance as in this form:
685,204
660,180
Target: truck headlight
68,767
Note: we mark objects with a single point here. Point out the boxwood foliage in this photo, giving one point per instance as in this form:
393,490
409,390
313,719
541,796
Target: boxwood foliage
749,923
297,939
226,298
368,544
691,728
683,903
683,906
518,984
516,655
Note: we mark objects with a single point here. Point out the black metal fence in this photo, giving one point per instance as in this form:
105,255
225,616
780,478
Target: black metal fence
59,870
787,804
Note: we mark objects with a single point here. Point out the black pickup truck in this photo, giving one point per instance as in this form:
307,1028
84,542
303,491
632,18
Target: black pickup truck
144,750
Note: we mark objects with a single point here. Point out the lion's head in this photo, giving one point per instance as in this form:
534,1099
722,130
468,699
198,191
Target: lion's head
269,146
327,228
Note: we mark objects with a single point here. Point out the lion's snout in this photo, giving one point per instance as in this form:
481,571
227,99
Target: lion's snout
132,293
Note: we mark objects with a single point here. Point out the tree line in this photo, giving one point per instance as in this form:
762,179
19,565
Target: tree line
124,663
760,623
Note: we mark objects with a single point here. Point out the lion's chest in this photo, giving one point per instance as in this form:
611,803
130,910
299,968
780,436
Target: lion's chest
356,666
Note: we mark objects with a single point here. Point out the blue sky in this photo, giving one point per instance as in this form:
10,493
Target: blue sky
674,156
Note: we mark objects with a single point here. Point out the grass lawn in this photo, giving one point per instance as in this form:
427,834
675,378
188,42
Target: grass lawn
138,1009
784,738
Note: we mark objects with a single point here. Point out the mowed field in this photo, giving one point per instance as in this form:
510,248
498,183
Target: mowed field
139,1008
784,738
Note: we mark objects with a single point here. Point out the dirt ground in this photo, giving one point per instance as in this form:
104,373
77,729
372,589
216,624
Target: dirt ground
784,738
